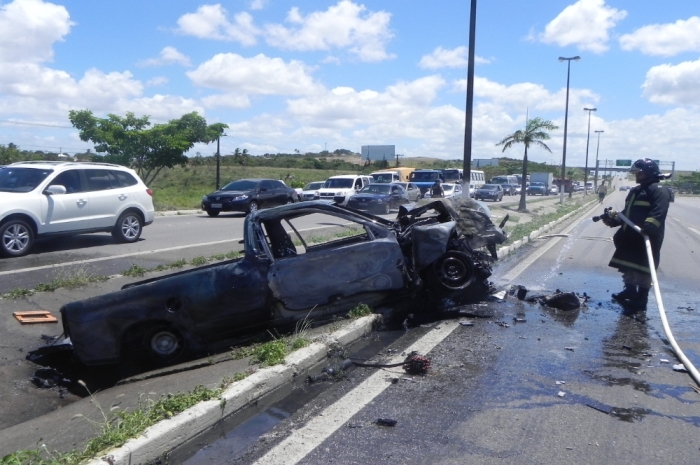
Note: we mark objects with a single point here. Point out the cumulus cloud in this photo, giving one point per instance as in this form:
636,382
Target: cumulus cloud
585,24
665,39
211,22
168,56
226,101
258,4
443,58
29,28
673,84
345,25
260,74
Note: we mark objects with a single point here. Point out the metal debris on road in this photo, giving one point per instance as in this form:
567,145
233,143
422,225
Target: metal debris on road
680,367
569,348
561,393
466,323
560,382
386,422
519,320
663,360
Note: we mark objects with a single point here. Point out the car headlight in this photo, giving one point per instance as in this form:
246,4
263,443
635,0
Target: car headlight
205,198
378,200
241,197
316,194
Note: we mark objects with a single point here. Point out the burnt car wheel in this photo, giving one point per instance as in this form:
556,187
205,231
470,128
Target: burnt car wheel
386,209
213,213
128,227
253,207
453,271
17,238
164,343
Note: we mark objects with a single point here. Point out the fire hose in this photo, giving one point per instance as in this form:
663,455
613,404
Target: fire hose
657,294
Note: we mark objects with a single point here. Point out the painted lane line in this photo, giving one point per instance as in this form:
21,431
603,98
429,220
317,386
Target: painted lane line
695,231
305,439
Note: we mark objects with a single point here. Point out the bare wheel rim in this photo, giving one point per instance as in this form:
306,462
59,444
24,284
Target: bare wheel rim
165,343
130,227
454,272
16,238
253,206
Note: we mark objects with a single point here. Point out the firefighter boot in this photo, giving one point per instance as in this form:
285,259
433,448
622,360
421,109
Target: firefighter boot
639,303
628,293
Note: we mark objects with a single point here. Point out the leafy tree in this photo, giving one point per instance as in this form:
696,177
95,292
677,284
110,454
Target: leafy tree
535,132
130,141
9,154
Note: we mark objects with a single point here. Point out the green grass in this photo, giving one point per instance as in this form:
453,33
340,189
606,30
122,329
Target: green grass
522,230
359,311
71,280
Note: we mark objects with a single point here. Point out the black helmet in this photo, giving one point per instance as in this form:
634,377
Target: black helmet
647,166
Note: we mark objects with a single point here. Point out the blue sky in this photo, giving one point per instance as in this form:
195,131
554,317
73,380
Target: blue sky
312,74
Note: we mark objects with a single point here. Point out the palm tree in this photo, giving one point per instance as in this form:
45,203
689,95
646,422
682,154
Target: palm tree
535,132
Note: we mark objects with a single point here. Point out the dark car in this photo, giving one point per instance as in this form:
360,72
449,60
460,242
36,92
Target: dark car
379,198
537,188
248,195
442,249
489,192
508,189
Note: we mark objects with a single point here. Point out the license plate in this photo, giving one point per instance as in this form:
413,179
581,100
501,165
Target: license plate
362,204
216,205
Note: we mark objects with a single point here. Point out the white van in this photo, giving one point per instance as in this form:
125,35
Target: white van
340,188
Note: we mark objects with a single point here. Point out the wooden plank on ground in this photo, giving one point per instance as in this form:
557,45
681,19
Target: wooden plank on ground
35,316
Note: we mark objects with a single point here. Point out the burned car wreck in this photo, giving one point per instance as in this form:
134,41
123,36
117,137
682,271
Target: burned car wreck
443,246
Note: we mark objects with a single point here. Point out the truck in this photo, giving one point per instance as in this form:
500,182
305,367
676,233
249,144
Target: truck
392,175
425,178
546,178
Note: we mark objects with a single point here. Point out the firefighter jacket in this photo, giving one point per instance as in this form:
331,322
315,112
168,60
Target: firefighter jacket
646,206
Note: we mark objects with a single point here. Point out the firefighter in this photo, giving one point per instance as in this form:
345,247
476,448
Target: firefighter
646,206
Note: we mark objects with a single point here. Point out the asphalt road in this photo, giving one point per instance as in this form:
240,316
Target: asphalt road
592,386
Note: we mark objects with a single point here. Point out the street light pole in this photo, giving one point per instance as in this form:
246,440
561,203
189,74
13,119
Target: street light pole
588,139
468,114
566,121
218,163
595,181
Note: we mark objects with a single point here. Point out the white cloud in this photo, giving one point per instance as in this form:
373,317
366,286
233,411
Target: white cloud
168,56
585,24
673,84
211,22
258,4
157,81
29,28
226,101
342,26
260,74
455,58
665,39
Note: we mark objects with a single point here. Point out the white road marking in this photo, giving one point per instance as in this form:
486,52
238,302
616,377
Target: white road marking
530,259
305,439
695,231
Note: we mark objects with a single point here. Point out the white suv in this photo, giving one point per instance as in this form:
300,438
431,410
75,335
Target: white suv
340,188
45,198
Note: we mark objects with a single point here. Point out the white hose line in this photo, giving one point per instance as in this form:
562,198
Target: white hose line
657,293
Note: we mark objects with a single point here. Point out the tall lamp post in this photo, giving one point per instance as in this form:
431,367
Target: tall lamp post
468,114
588,139
595,181
566,121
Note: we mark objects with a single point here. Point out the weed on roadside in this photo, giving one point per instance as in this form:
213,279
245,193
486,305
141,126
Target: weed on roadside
359,311
17,293
134,271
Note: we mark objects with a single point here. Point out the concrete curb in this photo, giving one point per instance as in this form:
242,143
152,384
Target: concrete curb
167,435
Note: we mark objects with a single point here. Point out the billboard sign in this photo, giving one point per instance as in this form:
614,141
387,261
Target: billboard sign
378,152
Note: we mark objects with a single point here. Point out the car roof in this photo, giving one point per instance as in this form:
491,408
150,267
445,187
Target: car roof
47,164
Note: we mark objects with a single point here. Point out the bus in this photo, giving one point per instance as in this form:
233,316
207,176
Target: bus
478,178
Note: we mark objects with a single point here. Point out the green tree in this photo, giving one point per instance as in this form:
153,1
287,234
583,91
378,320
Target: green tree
9,154
535,132
130,141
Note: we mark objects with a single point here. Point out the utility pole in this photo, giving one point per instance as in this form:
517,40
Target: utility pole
467,163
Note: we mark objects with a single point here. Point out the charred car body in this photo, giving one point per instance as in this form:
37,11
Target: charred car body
442,246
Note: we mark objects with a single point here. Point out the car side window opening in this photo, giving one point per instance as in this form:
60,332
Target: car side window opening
70,180
280,243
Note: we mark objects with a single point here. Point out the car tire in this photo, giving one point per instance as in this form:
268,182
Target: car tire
253,206
17,238
453,271
164,343
386,209
213,213
128,228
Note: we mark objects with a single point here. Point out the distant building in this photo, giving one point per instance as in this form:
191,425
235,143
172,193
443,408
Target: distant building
378,152
481,162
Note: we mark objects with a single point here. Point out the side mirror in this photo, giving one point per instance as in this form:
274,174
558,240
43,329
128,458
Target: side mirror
54,190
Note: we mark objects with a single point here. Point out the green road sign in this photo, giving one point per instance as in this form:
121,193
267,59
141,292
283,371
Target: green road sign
623,162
